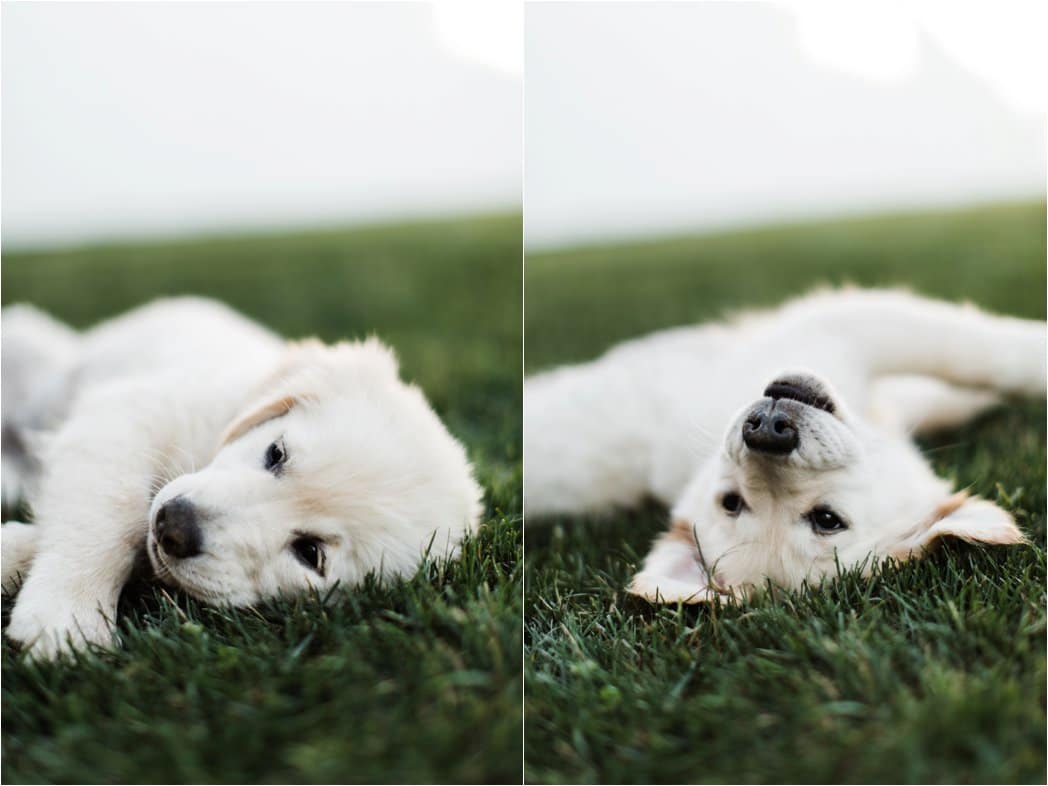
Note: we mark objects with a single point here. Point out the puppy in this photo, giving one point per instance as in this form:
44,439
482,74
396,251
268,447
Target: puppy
244,466
780,441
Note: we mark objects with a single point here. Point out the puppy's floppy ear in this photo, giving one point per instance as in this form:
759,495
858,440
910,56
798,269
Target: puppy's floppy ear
274,397
672,572
971,519
257,413
307,370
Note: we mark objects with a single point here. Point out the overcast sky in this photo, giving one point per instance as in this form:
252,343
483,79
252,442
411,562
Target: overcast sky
648,118
146,118
641,118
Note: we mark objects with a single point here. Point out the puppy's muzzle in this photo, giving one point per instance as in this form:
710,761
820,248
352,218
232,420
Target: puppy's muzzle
771,426
177,528
770,429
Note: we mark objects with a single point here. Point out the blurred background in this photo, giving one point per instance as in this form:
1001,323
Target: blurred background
644,119
146,119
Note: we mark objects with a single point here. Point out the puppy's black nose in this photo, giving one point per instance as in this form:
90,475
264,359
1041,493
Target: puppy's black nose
770,430
176,528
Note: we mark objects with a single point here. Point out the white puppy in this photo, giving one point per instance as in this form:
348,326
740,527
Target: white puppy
780,440
244,466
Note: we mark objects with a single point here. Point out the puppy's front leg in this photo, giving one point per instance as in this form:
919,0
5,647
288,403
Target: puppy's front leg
898,333
18,544
68,601
92,514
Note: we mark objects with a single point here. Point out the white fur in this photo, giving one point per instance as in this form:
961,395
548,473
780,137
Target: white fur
662,415
135,412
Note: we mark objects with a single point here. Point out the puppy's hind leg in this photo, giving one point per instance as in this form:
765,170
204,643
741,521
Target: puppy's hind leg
18,544
38,353
587,439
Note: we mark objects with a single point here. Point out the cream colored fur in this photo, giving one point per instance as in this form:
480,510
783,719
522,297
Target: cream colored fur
182,398
662,416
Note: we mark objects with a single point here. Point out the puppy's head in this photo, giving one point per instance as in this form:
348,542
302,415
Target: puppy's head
800,487
336,470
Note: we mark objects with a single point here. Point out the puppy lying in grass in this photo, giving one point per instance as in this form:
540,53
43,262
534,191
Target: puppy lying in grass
780,440
245,467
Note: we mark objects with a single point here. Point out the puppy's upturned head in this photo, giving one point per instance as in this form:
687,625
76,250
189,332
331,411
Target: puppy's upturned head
801,487
337,469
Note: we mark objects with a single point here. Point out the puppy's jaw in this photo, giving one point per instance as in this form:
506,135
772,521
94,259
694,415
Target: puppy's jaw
806,389
161,570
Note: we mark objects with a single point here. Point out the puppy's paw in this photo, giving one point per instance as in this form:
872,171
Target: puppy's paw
46,627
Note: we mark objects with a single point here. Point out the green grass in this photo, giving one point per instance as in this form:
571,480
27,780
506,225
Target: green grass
934,671
415,682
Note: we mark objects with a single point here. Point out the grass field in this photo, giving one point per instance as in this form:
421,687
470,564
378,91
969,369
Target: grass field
934,671
416,682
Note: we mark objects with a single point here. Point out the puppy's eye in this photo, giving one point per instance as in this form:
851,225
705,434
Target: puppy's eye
733,503
310,553
276,455
825,522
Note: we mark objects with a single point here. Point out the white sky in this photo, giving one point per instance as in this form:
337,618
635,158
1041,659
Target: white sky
149,118
648,118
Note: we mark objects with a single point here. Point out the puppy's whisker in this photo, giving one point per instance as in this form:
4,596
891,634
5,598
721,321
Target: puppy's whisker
165,466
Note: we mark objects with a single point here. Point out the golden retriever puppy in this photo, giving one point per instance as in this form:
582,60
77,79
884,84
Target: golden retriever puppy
244,466
781,441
